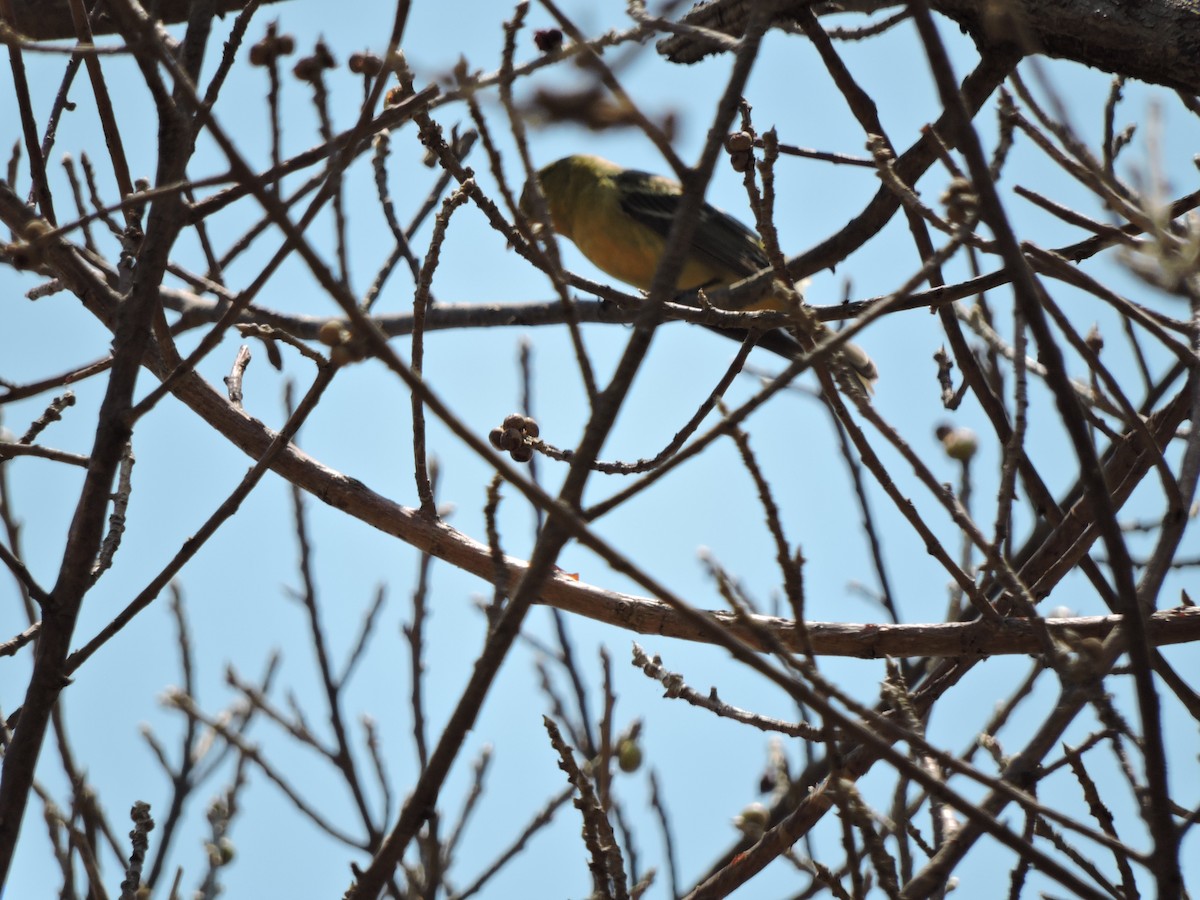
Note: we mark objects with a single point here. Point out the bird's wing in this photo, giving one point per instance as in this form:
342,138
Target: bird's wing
719,238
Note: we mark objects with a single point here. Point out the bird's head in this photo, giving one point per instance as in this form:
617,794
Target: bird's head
562,183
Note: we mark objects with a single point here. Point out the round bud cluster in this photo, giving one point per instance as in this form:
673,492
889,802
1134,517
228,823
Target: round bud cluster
548,40
36,229
629,755
309,68
271,48
740,147
753,821
365,64
959,443
221,853
30,252
1080,665
514,436
960,201
345,349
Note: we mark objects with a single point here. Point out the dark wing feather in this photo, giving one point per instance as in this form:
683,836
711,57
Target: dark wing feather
719,237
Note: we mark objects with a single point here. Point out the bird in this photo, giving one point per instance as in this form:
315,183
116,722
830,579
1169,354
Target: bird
619,219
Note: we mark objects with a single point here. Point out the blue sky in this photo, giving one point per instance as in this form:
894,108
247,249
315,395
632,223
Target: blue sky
236,589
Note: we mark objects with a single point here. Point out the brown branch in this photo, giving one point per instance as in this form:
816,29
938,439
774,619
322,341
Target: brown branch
1152,40
1028,294
644,616
48,20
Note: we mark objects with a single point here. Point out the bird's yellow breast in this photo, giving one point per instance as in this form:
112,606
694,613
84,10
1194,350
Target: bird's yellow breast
630,251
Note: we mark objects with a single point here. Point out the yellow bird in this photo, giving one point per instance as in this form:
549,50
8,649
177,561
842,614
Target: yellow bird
619,219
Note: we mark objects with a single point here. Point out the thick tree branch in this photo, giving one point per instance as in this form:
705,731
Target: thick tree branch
1152,40
47,20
